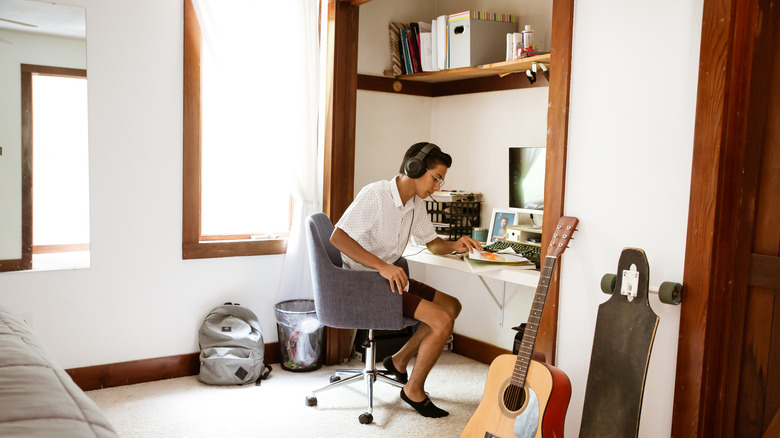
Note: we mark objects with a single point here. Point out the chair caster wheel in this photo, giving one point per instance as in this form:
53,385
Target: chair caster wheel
311,401
366,418
334,379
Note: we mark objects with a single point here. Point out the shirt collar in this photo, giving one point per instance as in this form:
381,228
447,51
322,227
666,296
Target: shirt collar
394,192
397,196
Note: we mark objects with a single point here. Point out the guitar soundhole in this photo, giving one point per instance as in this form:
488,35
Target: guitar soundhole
514,397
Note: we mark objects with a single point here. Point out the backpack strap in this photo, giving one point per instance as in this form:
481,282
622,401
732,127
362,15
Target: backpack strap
263,375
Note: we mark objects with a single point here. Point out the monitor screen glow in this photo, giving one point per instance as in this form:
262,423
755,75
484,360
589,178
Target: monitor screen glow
526,177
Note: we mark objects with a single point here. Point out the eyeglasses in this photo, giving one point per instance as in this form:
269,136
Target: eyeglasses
439,181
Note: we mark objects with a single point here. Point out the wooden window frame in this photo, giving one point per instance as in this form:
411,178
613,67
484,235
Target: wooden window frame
194,246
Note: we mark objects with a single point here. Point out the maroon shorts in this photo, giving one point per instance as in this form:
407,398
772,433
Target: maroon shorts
417,292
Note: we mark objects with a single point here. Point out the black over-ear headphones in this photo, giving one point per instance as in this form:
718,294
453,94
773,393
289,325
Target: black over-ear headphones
415,167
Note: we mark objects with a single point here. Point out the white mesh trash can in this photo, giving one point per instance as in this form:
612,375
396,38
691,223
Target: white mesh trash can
300,335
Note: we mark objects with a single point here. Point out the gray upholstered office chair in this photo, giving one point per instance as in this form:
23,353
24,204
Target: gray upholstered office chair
351,299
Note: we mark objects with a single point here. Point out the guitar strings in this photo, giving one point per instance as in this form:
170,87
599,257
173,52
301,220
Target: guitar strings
512,400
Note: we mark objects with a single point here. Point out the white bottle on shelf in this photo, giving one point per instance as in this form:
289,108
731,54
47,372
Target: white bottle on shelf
528,42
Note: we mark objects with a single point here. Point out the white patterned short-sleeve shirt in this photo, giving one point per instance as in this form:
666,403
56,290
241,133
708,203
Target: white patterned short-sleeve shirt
381,224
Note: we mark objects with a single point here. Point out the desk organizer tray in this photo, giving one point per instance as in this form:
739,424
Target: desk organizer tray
454,219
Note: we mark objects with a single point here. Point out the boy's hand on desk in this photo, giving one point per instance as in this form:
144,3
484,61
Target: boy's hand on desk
467,244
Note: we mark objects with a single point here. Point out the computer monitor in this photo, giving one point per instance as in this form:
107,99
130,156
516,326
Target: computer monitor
526,178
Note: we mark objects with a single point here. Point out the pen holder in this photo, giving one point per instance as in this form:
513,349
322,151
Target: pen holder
479,234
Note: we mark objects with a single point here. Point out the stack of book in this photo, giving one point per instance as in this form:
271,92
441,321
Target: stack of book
424,46
411,47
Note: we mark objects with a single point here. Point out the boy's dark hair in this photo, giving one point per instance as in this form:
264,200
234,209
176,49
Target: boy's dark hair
435,156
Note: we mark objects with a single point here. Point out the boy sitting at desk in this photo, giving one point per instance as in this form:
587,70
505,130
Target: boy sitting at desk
373,233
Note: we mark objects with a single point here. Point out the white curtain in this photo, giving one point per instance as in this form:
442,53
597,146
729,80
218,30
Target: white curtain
296,276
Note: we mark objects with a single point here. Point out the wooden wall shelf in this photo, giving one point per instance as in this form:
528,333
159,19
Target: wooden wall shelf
497,68
481,84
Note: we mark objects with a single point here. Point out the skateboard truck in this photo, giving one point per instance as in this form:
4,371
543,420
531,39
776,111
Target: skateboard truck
668,292
630,282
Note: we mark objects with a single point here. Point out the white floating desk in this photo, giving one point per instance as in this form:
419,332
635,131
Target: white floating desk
504,273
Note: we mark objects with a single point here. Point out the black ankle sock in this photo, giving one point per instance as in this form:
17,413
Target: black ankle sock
388,363
426,408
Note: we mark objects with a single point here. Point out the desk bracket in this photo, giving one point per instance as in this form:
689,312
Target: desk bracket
499,304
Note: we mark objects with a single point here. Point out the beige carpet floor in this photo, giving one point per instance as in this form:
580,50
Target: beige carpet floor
184,407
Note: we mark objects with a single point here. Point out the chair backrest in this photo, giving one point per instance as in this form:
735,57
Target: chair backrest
319,230
346,298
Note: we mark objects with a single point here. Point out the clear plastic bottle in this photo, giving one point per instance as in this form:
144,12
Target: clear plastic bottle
528,42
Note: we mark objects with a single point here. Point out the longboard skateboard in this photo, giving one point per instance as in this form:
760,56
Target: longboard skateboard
623,340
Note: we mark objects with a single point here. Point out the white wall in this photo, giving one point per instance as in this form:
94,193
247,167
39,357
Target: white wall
22,48
139,299
628,176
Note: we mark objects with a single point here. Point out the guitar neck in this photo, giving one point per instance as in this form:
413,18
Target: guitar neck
526,348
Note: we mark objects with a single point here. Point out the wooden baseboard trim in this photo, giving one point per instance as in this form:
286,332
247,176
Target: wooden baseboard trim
147,370
475,349
170,367
484,352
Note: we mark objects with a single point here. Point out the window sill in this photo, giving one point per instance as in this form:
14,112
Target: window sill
233,248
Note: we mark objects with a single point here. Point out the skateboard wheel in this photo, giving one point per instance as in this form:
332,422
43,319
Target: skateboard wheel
608,283
670,293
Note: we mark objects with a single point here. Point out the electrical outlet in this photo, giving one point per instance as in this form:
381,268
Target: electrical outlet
28,318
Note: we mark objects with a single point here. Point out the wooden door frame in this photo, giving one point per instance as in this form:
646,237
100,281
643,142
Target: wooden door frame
721,215
555,166
340,119
339,148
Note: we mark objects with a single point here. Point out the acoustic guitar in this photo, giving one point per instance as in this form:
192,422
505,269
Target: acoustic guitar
525,398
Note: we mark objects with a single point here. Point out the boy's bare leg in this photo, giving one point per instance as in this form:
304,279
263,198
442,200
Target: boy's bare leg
438,318
439,325
402,358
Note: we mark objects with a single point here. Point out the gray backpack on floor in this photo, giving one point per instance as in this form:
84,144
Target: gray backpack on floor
231,347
